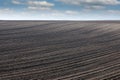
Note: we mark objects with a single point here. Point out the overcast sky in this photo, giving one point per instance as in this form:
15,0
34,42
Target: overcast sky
60,9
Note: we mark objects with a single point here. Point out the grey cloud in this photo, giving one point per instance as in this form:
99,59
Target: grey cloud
94,7
35,4
39,5
98,2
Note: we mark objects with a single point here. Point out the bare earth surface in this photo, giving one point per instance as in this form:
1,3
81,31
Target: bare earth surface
59,50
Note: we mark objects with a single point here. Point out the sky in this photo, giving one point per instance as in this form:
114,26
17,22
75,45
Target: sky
59,9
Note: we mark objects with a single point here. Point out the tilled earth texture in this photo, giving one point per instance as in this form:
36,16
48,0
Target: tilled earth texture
59,50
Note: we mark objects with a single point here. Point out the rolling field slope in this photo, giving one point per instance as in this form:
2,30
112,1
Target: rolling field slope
59,50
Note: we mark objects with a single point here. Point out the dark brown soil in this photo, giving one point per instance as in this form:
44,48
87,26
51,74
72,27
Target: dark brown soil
59,50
